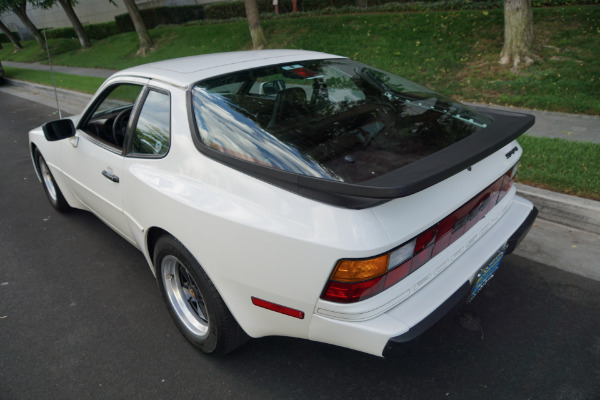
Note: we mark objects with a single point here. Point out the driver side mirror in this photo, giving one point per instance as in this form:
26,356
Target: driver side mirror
58,130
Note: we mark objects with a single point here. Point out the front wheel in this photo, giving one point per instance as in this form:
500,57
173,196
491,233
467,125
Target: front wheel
53,193
193,301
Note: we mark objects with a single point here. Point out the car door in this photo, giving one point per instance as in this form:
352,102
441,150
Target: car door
148,142
96,156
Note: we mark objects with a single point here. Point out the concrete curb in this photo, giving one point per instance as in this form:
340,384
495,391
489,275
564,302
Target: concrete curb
571,211
71,102
81,71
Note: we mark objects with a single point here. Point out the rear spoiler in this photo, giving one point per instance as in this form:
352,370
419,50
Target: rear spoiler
402,182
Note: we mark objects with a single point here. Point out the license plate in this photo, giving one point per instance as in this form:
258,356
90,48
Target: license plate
486,273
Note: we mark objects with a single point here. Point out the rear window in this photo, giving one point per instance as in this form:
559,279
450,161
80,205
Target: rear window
334,119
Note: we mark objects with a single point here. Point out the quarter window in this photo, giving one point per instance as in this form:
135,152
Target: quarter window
152,131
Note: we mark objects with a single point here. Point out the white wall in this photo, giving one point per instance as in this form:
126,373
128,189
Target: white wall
88,11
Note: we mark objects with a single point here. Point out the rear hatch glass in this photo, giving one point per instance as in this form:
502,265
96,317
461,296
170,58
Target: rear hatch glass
335,119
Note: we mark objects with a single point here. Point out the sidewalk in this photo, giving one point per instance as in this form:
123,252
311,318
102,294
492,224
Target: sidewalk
98,73
566,234
576,127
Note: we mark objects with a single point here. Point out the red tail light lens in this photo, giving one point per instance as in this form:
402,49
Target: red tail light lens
397,274
421,258
354,280
426,238
353,292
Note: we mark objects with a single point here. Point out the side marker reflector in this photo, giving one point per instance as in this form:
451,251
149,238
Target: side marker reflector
277,308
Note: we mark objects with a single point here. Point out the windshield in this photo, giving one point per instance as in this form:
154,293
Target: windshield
334,119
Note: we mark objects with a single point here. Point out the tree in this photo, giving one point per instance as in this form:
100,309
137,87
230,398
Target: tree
19,7
67,6
259,40
11,37
140,27
518,33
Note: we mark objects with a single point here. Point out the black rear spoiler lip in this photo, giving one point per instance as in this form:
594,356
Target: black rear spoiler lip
405,181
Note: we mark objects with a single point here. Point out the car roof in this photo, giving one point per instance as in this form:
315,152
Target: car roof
186,71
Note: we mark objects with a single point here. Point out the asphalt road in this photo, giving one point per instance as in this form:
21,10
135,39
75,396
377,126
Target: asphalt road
81,317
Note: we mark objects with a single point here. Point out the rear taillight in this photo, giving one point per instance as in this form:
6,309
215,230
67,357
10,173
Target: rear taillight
353,280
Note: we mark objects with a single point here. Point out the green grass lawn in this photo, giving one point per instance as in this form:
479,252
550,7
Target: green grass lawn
454,52
561,165
84,84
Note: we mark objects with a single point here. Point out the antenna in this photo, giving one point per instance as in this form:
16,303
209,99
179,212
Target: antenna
52,73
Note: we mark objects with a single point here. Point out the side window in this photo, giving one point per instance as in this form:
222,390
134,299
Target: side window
153,128
108,121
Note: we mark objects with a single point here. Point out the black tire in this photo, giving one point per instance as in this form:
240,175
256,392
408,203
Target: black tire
193,301
52,190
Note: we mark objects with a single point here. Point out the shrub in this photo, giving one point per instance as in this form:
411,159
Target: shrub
161,16
65,33
554,3
314,5
230,9
94,31
237,9
102,30
5,39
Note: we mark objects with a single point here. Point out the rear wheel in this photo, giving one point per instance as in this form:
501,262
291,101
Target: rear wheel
53,193
193,301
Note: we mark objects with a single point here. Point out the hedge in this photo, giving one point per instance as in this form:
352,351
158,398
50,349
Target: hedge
314,5
237,9
94,31
122,23
161,16
5,39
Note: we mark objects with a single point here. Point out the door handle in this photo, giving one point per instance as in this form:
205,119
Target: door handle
111,176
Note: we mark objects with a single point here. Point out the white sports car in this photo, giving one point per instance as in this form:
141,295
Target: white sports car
293,193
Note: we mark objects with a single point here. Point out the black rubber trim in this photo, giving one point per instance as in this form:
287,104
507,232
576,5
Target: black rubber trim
460,296
402,182
522,231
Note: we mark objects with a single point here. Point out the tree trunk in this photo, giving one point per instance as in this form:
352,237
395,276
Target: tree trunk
11,37
20,11
83,37
140,27
259,40
518,33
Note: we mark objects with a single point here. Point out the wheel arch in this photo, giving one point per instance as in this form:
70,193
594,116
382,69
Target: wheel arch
36,165
151,238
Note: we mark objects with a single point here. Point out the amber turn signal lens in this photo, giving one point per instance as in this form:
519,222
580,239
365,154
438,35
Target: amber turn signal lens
360,270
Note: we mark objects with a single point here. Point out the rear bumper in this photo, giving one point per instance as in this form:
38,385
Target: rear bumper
520,233
446,285
461,295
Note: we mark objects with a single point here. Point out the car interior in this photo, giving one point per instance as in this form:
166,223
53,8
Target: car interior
108,120
354,127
